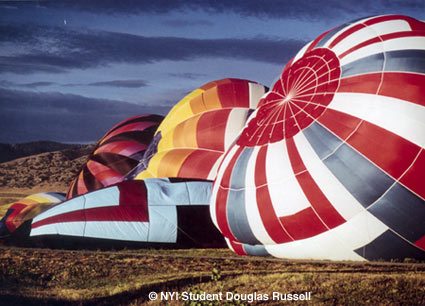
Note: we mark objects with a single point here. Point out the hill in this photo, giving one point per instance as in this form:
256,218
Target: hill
49,171
10,152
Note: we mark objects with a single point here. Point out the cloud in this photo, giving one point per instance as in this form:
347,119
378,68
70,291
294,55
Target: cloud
188,75
180,23
122,83
5,83
266,8
113,83
54,49
30,116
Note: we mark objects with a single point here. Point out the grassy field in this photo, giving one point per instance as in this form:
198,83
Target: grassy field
58,277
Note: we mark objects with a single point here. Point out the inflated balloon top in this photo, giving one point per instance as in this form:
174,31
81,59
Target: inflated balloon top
191,140
332,164
116,154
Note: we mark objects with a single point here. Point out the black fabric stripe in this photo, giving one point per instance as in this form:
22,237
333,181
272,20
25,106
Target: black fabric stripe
144,136
390,246
359,176
401,60
402,211
195,227
236,209
119,163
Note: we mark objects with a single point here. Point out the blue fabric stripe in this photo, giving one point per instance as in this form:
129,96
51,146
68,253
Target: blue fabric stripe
255,250
236,210
402,211
401,60
359,176
390,246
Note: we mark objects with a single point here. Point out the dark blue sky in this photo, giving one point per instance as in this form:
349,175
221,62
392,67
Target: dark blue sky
69,70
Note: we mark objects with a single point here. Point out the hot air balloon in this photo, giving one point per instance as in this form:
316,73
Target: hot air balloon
192,138
153,211
26,209
116,153
332,164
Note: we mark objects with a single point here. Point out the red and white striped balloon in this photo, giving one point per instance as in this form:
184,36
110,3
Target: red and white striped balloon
331,165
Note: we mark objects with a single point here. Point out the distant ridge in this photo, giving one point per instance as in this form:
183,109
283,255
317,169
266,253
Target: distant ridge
55,169
10,152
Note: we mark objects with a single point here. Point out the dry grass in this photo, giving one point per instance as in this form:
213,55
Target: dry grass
125,277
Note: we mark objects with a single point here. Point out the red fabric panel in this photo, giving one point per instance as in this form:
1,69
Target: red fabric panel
412,91
388,151
126,148
381,38
365,83
303,224
415,177
234,94
199,164
137,126
421,243
324,209
10,222
103,174
238,248
268,215
211,129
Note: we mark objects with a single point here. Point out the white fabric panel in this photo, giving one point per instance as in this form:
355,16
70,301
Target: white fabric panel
217,182
119,230
335,192
163,192
286,194
345,29
252,212
234,125
301,52
67,206
336,244
256,91
229,245
366,51
370,32
402,43
398,116
64,228
103,198
162,224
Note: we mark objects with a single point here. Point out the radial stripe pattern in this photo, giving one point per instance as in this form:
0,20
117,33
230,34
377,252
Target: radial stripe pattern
331,165
116,154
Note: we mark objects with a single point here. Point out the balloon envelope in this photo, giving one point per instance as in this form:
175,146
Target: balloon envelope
192,138
332,163
26,209
116,154
151,211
